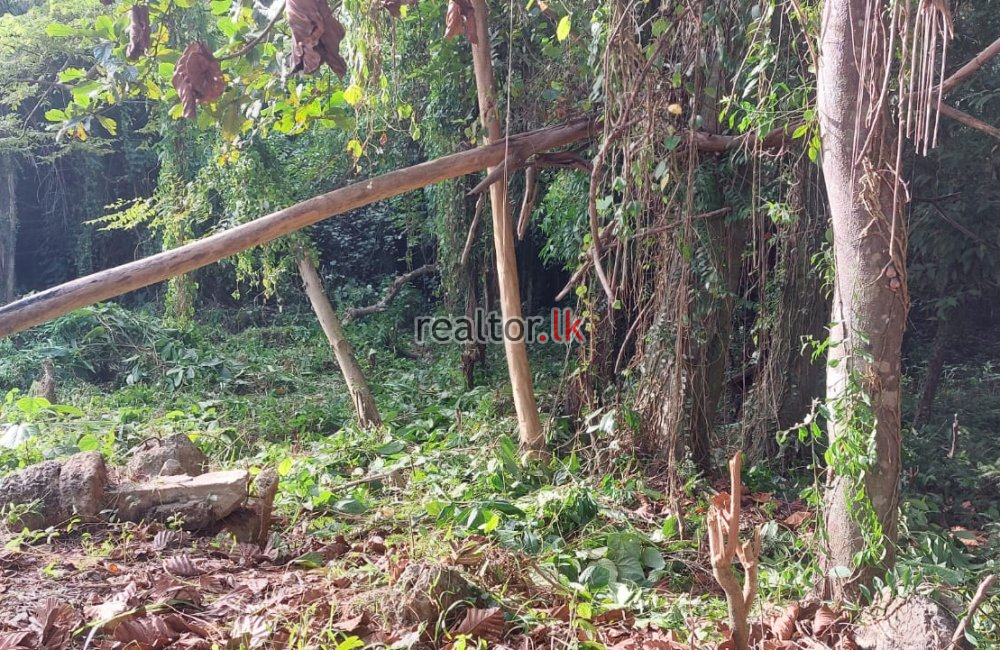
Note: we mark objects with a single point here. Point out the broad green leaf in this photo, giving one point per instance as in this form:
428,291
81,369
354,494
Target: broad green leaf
353,94
564,27
109,124
72,74
60,30
55,115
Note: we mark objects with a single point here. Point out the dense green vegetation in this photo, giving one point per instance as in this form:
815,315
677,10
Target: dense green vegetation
734,299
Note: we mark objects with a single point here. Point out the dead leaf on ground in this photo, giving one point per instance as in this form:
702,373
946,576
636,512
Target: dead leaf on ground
352,623
53,622
823,620
796,519
783,627
249,632
485,624
182,565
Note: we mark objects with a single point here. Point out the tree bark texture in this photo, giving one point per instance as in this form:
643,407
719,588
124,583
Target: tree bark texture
8,228
529,422
870,300
357,386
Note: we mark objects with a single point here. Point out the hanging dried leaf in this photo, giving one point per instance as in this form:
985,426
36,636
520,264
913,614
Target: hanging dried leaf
138,32
486,624
783,627
460,19
316,36
394,6
197,78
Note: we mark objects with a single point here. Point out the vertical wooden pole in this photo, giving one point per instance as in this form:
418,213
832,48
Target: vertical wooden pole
529,423
357,386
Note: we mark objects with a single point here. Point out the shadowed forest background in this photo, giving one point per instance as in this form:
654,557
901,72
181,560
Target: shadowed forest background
779,222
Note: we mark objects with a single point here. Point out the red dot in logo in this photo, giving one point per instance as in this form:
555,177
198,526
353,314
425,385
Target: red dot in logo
543,338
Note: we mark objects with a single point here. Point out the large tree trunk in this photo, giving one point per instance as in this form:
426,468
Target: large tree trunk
361,395
8,229
787,379
529,423
870,296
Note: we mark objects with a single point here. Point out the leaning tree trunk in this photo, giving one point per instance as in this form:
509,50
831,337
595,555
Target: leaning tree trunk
529,423
361,395
8,229
870,296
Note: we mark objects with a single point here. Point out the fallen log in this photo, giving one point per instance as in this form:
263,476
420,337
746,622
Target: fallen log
62,299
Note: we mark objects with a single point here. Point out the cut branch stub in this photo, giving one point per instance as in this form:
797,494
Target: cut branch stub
460,20
316,36
723,542
138,32
197,78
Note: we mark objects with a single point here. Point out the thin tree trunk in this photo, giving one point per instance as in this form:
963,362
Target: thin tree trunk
935,365
8,229
870,296
529,423
361,395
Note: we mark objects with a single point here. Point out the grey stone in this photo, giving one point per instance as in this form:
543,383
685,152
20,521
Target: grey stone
913,623
82,483
37,486
425,591
198,500
153,456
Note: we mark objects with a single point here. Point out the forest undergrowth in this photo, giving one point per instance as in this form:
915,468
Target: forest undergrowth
583,551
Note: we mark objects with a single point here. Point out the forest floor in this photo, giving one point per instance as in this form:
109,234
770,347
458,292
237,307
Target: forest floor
434,531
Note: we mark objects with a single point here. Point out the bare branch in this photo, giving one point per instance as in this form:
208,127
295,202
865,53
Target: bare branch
969,121
970,68
390,293
470,239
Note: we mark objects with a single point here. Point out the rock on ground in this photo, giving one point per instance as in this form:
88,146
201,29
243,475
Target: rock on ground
913,623
168,457
36,486
197,501
425,591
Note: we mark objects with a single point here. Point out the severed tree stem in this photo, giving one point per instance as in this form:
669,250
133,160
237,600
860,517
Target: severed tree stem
724,545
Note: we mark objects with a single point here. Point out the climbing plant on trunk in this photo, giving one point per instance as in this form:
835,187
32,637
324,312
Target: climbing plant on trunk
870,302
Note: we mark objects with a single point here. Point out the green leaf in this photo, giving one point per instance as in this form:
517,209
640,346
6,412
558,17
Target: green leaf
353,94
60,30
565,25
89,442
285,466
72,74
55,115
109,124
